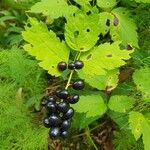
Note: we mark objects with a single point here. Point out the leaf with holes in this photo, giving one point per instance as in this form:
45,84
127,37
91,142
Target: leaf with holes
106,4
93,105
46,47
103,58
123,28
105,21
82,31
102,82
53,8
120,103
141,79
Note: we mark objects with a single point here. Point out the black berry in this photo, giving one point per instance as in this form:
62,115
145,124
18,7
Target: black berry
62,66
69,114
51,99
63,107
51,107
62,94
64,134
78,85
79,64
73,99
65,125
71,66
54,132
46,122
54,120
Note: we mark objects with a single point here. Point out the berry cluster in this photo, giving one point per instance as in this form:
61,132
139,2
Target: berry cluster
59,112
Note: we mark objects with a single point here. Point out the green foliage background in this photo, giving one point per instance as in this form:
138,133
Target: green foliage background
23,82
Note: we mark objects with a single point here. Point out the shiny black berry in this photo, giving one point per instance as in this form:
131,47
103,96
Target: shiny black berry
65,125
54,120
71,66
63,107
78,85
64,134
46,122
73,99
51,107
54,132
79,64
62,66
51,99
62,94
69,114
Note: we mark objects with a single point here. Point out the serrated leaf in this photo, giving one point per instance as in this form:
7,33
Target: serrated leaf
146,134
141,79
120,103
105,20
82,2
53,8
139,124
142,1
135,123
100,82
92,105
123,27
106,4
103,58
45,46
82,31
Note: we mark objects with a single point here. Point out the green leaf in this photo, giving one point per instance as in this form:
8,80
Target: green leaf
106,4
82,31
53,8
105,17
82,2
103,58
93,105
139,125
141,79
135,123
146,134
123,27
101,82
120,103
142,1
46,47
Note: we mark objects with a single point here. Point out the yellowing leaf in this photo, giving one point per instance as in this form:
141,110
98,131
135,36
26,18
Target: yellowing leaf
82,31
135,123
120,103
53,8
106,3
92,105
45,46
140,125
141,79
103,58
101,82
124,28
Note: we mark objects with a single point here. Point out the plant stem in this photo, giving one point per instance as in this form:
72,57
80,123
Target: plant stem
72,71
91,140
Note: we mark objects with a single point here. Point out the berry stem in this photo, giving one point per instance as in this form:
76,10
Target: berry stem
72,71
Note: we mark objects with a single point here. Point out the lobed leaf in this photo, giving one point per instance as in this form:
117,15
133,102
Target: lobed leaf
53,8
82,31
106,4
141,79
120,103
103,58
123,27
45,46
